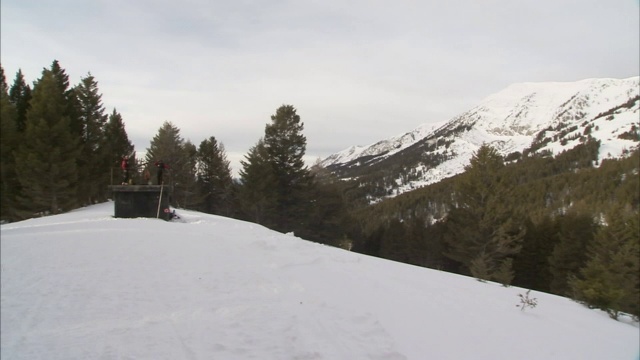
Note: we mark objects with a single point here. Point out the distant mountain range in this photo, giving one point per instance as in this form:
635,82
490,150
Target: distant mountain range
523,119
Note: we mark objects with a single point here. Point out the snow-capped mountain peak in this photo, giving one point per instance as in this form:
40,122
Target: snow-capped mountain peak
535,117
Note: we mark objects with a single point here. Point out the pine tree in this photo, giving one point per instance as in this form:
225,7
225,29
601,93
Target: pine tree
214,178
93,162
257,194
115,145
167,145
20,97
570,254
327,218
531,265
4,88
482,233
610,279
189,185
286,146
46,160
479,184
392,245
71,108
9,141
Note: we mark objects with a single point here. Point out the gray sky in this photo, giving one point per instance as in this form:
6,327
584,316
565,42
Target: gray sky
357,71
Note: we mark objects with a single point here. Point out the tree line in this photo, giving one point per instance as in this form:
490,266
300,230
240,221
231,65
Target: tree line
60,149
58,143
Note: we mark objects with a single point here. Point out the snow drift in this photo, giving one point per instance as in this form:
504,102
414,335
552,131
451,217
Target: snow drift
85,285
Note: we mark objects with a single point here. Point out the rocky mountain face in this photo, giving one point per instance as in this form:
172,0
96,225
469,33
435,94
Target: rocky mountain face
521,120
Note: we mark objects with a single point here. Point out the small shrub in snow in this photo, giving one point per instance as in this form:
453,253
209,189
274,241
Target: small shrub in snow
526,301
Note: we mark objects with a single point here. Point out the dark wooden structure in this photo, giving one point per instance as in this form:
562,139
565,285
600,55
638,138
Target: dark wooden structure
133,201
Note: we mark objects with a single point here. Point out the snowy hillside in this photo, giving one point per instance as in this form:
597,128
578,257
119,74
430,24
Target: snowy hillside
546,116
84,285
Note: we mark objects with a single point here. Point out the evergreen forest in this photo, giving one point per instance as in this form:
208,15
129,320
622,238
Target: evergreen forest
562,224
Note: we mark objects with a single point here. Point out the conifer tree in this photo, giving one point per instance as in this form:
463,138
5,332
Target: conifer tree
327,218
189,185
8,144
47,157
93,163
392,244
214,178
531,265
71,107
116,144
20,97
610,279
286,146
482,234
169,146
570,253
257,194
4,88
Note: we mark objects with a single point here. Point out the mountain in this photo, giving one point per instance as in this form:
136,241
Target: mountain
85,285
523,119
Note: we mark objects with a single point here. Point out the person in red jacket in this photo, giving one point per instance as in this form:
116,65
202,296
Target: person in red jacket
161,166
125,170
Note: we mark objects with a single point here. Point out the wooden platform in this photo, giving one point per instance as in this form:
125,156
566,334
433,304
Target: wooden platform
133,201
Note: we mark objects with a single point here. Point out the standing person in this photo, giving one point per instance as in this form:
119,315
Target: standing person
161,166
125,170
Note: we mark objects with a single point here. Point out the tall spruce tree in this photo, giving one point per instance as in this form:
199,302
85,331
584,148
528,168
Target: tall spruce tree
286,146
4,88
116,144
327,218
610,279
20,97
71,108
169,146
47,157
214,178
570,252
532,263
482,234
9,186
189,183
93,162
257,194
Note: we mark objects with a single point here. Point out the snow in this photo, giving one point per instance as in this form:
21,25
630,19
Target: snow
387,147
85,285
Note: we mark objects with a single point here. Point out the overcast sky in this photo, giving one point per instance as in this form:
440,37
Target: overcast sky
357,71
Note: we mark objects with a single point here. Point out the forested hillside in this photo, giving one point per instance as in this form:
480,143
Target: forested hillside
565,225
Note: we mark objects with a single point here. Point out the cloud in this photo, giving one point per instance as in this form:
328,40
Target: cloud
357,71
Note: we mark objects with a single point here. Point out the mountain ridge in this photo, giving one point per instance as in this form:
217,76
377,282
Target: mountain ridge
523,119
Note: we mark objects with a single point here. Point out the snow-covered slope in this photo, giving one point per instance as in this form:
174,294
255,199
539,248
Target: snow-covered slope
549,116
84,285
